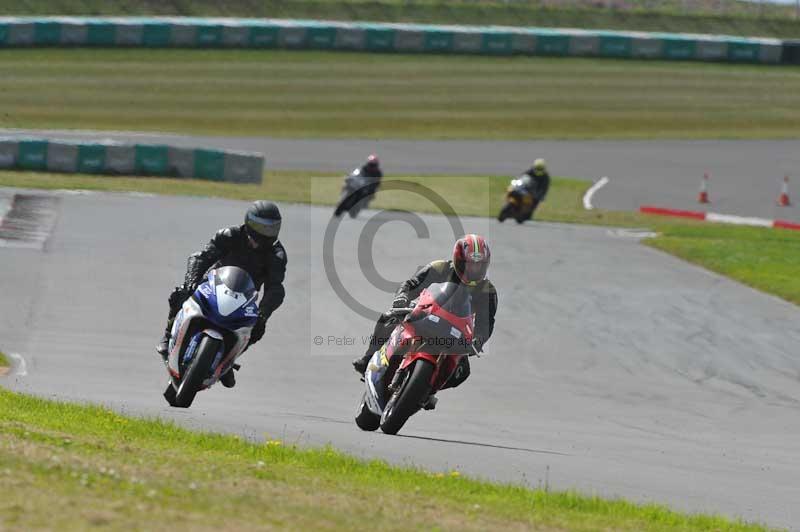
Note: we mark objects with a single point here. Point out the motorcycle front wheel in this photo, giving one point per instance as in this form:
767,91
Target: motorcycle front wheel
198,370
408,398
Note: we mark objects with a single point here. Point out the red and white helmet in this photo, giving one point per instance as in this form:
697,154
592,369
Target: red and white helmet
471,258
372,161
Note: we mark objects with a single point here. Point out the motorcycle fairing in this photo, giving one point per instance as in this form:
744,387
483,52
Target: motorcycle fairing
231,306
236,320
376,370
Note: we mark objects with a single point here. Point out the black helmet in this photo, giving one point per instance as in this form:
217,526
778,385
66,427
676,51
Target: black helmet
262,222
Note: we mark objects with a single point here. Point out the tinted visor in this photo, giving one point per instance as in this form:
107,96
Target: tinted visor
264,227
259,239
471,272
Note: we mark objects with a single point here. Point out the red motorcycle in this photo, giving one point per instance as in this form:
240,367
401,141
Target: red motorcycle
420,356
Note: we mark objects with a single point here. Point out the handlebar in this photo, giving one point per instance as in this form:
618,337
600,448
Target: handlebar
398,312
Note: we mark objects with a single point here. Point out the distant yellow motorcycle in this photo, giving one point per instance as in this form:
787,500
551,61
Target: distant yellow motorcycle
520,202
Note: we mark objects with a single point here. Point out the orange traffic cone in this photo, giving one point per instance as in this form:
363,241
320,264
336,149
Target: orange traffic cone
783,199
702,197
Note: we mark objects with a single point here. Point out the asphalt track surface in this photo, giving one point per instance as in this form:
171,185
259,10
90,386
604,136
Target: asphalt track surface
745,175
614,369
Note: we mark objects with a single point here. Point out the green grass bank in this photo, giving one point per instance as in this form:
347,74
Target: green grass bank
355,95
765,259
740,19
74,467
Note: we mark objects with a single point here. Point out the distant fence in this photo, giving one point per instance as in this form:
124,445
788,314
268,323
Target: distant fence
38,154
162,32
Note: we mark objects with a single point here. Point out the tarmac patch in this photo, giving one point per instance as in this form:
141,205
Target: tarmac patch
29,221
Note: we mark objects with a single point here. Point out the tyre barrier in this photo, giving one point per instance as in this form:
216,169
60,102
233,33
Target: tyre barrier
186,32
113,158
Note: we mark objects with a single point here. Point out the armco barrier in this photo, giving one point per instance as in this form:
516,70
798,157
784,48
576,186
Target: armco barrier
377,37
129,159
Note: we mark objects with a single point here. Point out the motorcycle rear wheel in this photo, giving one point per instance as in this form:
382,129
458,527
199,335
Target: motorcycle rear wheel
505,212
198,370
407,400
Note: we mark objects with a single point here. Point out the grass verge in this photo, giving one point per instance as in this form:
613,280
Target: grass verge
5,364
737,18
765,259
66,466
350,95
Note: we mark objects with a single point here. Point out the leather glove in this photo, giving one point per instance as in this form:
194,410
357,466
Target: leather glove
258,329
400,301
179,295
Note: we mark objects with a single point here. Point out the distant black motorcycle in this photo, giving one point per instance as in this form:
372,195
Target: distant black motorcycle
357,192
520,202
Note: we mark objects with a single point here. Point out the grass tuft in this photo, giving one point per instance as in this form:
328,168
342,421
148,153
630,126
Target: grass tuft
74,466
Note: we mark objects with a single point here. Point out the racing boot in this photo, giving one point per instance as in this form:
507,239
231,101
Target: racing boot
162,348
360,364
430,403
228,379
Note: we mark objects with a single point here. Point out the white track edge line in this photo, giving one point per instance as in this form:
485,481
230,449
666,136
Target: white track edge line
737,220
587,198
20,369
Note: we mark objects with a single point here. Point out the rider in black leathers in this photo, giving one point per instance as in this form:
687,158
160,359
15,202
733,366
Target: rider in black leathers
252,246
371,171
484,304
539,182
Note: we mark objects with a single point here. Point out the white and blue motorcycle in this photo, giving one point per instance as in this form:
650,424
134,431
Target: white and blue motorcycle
210,331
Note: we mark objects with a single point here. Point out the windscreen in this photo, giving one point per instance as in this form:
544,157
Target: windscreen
452,297
233,290
237,280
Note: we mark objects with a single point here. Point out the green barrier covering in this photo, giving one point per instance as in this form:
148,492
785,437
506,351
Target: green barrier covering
156,35
379,37
91,158
678,48
615,46
130,159
101,34
320,38
209,164
552,44
263,37
497,43
32,154
46,33
73,35
151,160
438,41
210,36
743,51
